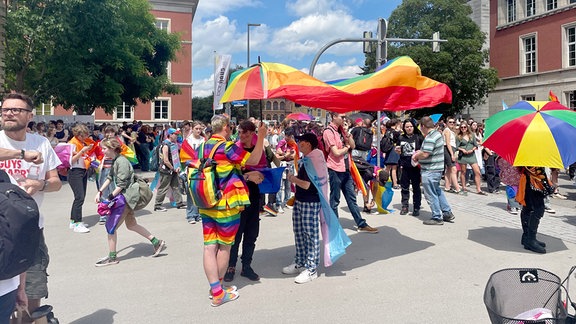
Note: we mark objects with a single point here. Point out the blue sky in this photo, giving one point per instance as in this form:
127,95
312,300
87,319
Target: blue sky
291,32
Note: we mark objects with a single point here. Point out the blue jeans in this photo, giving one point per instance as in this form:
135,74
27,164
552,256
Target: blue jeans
433,194
7,306
342,181
191,210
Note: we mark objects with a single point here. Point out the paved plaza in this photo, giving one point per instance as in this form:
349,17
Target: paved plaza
407,273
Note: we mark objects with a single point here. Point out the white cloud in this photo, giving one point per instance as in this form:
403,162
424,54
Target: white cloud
333,71
307,7
203,87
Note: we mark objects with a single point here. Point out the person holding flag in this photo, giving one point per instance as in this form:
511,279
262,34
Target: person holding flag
169,171
84,150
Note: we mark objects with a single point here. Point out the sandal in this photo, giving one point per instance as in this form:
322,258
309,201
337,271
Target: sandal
370,205
482,193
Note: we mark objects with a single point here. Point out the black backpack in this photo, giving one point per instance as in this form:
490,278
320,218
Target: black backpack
19,232
386,144
363,139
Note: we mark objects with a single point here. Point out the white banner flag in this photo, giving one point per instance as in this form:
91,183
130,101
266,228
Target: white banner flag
221,67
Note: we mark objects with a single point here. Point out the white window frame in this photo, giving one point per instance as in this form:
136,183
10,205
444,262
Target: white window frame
524,54
530,8
551,5
511,11
161,21
168,108
569,45
124,109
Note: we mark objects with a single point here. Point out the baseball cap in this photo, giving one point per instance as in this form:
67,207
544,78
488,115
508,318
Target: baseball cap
173,130
310,138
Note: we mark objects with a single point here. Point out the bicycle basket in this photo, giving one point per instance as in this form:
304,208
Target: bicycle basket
512,292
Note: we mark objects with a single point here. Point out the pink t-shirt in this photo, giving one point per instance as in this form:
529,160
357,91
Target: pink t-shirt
332,138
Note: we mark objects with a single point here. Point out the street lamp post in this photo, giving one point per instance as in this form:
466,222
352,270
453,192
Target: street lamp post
248,61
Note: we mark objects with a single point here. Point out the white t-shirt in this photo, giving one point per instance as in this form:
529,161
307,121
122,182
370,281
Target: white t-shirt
21,168
195,142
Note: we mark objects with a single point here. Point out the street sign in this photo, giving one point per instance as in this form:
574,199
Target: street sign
239,103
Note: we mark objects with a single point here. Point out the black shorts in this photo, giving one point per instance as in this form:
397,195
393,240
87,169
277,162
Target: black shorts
447,158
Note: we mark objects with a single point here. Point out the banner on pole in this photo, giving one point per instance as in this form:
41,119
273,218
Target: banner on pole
222,66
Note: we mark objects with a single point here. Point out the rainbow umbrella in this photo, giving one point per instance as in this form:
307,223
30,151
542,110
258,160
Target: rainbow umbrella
533,133
398,85
299,116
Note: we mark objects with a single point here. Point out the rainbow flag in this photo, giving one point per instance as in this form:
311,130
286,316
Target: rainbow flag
552,97
398,85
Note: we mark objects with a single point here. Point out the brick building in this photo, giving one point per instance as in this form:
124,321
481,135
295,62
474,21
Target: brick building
533,47
175,16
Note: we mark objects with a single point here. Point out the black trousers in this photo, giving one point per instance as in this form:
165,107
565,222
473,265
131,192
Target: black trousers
78,180
248,230
411,176
492,177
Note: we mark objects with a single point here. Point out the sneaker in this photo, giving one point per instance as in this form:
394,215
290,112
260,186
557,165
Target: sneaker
289,207
249,273
102,220
161,246
280,210
73,224
306,276
228,296
416,212
80,228
106,261
404,211
229,275
367,229
271,210
559,196
192,221
448,217
227,289
180,206
463,193
549,210
293,269
160,209
433,221
513,211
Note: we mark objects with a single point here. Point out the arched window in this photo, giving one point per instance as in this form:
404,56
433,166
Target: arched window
283,106
281,117
268,105
268,116
275,105
275,117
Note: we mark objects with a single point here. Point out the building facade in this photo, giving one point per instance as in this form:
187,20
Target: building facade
174,16
276,110
533,47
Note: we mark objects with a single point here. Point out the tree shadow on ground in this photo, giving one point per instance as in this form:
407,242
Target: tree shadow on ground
508,239
101,316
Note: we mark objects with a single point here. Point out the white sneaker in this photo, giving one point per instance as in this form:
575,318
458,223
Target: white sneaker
292,269
80,228
280,210
72,225
306,276
550,210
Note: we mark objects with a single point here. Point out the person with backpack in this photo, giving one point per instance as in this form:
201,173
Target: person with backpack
249,228
122,176
169,170
30,159
220,223
195,139
363,137
337,145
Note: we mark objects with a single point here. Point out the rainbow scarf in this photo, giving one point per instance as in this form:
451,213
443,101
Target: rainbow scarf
94,153
335,239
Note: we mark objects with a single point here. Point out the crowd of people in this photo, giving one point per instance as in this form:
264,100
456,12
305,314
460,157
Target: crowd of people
419,158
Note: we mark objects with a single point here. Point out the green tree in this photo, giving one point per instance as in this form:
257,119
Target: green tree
89,53
461,62
202,108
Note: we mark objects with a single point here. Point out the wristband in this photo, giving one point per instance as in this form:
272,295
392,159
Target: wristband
22,152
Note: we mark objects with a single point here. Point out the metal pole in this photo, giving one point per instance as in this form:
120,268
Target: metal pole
248,61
